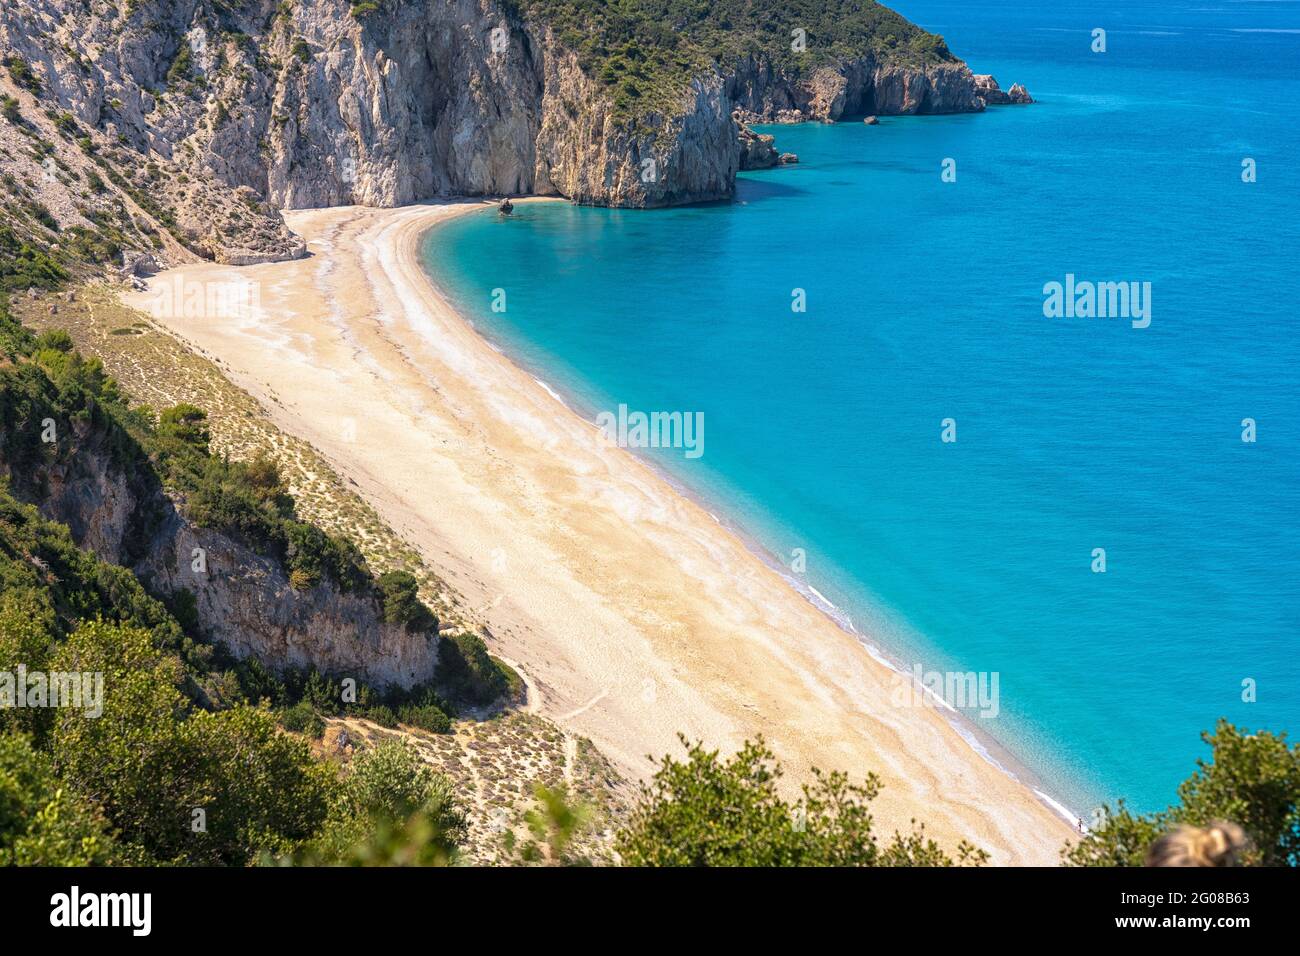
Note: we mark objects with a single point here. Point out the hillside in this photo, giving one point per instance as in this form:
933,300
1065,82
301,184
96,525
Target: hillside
181,128
199,665
220,541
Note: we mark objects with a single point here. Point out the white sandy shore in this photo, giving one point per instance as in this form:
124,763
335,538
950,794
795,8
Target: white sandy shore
633,612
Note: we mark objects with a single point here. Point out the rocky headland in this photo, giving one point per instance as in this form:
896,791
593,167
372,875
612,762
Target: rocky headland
183,128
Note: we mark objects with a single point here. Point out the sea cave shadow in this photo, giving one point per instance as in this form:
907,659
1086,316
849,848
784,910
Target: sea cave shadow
752,189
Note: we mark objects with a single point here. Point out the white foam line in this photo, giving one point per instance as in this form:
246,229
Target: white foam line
940,702
1061,810
975,745
822,597
549,391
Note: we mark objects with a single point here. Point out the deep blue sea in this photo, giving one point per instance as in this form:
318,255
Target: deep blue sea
925,302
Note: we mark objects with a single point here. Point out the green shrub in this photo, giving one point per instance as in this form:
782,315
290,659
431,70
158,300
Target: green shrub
302,718
1251,779
468,673
22,74
382,715
24,265
425,717
392,810
149,760
182,66
87,246
56,339
707,811
43,216
258,683
301,579
399,592
184,607
41,823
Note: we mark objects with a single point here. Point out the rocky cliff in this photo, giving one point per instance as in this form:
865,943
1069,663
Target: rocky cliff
855,87
92,478
207,116
246,601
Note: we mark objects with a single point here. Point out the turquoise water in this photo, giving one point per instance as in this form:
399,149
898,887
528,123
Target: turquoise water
924,302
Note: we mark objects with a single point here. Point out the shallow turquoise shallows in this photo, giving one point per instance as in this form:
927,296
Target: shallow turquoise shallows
925,302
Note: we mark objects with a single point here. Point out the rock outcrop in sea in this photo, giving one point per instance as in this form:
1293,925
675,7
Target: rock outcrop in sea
994,95
757,150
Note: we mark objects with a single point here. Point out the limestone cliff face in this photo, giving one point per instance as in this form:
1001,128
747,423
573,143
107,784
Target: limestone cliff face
859,87
102,506
246,602
217,114
244,599
757,150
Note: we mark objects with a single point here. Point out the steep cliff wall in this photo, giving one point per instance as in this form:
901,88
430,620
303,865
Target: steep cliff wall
92,478
860,86
245,601
215,114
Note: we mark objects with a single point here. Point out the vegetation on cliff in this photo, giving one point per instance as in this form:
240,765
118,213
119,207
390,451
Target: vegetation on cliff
647,51
246,501
25,264
186,763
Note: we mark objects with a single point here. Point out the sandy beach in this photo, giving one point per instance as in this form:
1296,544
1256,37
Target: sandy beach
633,613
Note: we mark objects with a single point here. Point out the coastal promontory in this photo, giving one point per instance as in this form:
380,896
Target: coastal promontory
194,122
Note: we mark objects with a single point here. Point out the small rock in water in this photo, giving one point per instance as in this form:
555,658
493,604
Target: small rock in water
1018,94
788,159
871,121
506,207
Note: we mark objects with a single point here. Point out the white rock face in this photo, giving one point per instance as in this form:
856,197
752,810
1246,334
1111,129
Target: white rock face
243,598
308,105
245,602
